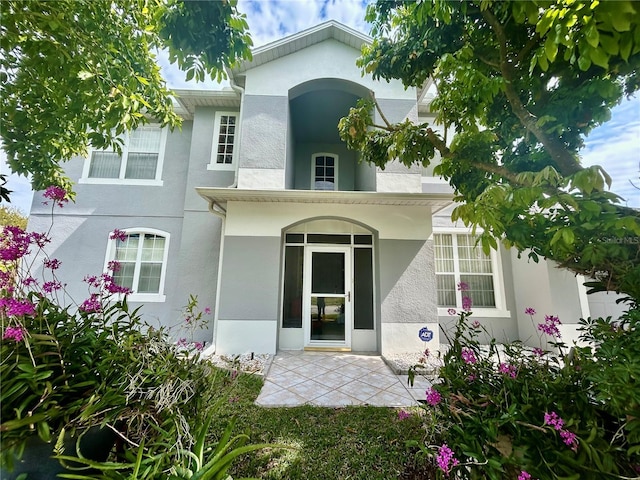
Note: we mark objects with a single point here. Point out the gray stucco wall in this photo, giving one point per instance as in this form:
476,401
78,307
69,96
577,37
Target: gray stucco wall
250,278
407,287
264,131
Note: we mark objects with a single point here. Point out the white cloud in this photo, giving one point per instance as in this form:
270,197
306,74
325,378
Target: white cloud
21,195
616,147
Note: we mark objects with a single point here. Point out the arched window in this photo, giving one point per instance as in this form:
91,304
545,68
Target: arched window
324,171
141,255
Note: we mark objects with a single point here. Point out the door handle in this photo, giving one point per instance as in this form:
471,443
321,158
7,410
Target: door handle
348,296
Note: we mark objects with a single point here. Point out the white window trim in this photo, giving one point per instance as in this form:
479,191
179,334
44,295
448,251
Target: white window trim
111,255
500,310
213,165
156,182
335,166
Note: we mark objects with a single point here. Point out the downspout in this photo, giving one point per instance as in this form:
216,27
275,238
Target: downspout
219,211
236,153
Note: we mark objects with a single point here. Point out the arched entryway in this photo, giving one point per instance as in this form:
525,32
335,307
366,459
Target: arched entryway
328,286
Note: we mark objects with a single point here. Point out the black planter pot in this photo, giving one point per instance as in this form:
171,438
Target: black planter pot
37,461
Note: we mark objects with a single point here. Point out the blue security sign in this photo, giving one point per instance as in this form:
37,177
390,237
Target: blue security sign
425,334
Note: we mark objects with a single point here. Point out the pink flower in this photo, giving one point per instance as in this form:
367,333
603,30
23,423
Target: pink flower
91,304
118,234
16,308
524,475
550,326
554,420
433,397
52,263
207,311
403,414
452,311
57,194
538,351
182,342
471,378
508,369
114,266
570,439
14,243
463,286
52,286
14,333
468,356
529,311
198,346
446,460
466,304
475,324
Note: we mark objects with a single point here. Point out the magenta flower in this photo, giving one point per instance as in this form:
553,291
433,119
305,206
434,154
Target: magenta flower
466,304
463,286
91,304
471,378
14,244
52,263
403,414
114,266
52,286
538,351
207,310
16,308
452,311
524,475
550,326
182,342
475,324
529,311
57,194
554,420
433,397
118,234
508,369
468,356
198,346
446,460
14,333
570,439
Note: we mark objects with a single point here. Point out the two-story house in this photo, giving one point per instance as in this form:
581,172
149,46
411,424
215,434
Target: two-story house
257,207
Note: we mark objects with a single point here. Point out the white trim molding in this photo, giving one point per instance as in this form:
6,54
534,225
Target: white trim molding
217,125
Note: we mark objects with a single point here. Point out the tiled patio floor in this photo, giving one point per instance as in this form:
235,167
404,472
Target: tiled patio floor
336,379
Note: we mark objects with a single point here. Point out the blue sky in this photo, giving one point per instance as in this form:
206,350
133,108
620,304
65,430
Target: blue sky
615,145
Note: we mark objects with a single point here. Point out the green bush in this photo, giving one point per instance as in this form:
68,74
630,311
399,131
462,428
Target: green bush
505,411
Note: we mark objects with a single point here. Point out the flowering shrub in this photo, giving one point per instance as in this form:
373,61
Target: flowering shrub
506,412
67,366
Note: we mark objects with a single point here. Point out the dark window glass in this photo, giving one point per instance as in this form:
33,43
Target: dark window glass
363,240
322,238
327,273
292,305
363,289
294,238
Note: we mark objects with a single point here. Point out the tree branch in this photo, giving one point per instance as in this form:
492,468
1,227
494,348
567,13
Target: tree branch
380,111
567,163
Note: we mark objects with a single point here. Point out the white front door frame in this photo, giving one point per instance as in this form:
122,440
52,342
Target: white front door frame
347,296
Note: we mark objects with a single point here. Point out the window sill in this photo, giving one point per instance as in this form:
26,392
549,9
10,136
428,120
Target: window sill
121,181
478,312
224,167
146,297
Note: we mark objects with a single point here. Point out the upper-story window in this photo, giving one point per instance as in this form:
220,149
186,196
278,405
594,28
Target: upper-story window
324,171
459,261
224,141
140,162
141,255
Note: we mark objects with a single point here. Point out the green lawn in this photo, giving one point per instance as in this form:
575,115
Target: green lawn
331,443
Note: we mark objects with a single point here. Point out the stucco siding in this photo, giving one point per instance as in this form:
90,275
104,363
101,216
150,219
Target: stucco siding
264,131
250,278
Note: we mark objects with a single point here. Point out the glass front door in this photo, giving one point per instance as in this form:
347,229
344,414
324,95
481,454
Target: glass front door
328,297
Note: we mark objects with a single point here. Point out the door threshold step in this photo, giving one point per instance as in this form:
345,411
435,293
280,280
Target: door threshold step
327,349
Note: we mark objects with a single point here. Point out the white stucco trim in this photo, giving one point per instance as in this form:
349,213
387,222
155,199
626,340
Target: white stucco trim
264,178
246,336
398,182
403,338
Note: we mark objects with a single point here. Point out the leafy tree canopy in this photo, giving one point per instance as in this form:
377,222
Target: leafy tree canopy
12,216
521,84
77,73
